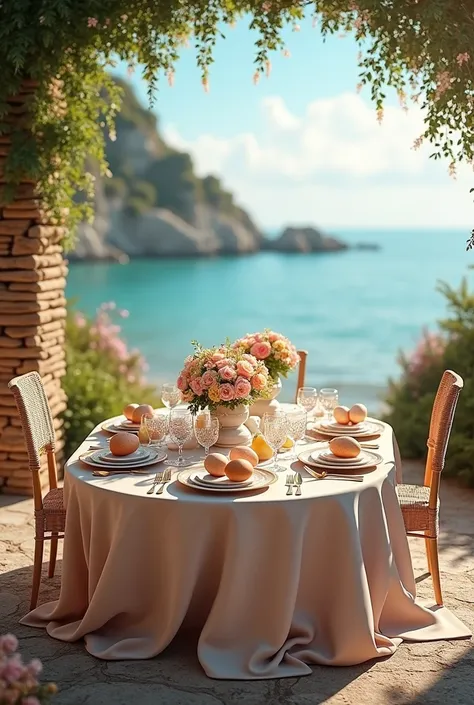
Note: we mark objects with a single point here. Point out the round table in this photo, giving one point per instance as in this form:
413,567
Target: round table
273,583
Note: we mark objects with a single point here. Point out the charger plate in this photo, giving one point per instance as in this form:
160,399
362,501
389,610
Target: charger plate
96,459
310,457
261,478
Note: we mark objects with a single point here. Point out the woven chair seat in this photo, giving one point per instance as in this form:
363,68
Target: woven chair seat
53,515
417,515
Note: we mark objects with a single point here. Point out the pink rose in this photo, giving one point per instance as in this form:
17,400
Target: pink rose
182,383
242,388
223,363
227,373
261,350
196,386
217,356
208,378
13,670
226,392
35,667
245,369
250,358
259,381
8,643
272,336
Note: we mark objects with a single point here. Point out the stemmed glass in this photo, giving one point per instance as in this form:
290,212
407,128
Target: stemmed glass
329,401
180,430
157,428
206,430
297,421
170,396
275,431
143,432
307,397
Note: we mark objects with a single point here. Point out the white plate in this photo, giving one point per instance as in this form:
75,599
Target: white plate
203,478
137,455
329,457
373,428
261,478
111,427
95,459
334,425
306,457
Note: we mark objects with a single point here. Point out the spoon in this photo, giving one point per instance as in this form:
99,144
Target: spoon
106,473
323,474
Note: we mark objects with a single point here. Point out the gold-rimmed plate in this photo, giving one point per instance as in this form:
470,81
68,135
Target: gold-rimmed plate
310,457
261,478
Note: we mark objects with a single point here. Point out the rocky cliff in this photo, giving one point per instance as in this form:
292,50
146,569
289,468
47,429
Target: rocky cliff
155,205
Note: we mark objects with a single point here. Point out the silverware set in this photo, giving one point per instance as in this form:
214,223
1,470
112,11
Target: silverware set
161,479
294,480
332,476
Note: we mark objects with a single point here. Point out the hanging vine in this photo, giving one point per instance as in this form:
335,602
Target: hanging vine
60,52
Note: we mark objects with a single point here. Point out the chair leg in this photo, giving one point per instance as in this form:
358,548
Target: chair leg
38,564
427,548
434,562
52,555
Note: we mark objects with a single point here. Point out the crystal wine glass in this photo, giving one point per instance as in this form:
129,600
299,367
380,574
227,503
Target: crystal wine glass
329,400
157,427
206,430
170,395
180,430
307,397
297,421
275,431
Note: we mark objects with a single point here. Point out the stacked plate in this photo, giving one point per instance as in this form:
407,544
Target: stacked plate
201,480
120,423
140,458
356,430
323,458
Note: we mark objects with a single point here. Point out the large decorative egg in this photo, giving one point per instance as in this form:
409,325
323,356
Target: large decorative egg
344,447
244,453
215,464
358,413
142,410
341,414
239,470
123,443
128,411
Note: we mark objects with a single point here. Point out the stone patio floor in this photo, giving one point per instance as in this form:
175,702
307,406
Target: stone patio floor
417,674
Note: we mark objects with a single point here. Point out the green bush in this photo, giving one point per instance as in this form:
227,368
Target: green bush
411,397
102,374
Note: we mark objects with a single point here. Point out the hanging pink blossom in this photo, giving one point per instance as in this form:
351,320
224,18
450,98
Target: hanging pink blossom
92,22
462,58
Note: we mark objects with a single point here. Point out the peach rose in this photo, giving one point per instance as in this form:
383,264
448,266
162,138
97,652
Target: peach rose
223,363
227,373
182,382
208,378
261,350
226,392
245,369
217,356
196,386
259,381
250,358
213,392
188,396
272,336
242,388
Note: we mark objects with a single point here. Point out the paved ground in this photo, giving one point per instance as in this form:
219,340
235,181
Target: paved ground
417,674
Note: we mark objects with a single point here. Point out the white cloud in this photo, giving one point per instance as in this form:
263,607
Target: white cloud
334,165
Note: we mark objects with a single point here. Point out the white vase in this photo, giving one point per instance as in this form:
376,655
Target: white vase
266,406
232,431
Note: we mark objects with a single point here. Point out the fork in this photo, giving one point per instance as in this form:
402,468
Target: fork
165,479
158,478
298,482
289,484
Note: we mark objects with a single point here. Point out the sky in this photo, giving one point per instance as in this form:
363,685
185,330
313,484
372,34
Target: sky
302,147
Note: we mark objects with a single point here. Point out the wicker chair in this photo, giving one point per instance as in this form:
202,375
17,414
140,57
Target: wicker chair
301,371
38,430
420,504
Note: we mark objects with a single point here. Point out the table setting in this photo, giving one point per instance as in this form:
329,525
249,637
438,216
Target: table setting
277,535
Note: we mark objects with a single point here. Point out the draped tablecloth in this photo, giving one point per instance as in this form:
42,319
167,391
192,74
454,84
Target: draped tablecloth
274,583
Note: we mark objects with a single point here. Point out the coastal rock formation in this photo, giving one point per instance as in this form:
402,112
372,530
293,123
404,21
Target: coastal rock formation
305,240
155,205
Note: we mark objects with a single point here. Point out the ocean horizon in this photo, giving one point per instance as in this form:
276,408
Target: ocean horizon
353,311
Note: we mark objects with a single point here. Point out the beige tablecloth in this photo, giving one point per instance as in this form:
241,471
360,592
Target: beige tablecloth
274,583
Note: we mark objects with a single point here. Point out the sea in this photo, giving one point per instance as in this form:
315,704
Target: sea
353,311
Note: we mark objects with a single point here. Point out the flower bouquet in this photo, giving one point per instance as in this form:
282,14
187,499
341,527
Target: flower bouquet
225,380
279,356
18,681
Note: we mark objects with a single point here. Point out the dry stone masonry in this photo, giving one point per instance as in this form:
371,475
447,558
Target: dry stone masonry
32,312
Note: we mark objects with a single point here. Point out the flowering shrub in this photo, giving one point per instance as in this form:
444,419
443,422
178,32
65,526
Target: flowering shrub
277,352
222,376
410,398
19,683
102,375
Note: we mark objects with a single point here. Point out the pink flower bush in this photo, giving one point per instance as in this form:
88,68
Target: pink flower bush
18,681
276,351
223,375
430,348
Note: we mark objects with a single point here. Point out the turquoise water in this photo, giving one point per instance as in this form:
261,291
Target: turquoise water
352,311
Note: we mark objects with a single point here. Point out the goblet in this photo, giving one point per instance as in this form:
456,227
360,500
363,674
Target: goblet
307,397
275,431
206,430
157,428
170,395
329,400
297,421
180,431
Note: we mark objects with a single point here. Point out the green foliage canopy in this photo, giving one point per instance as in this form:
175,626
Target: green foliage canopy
420,47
